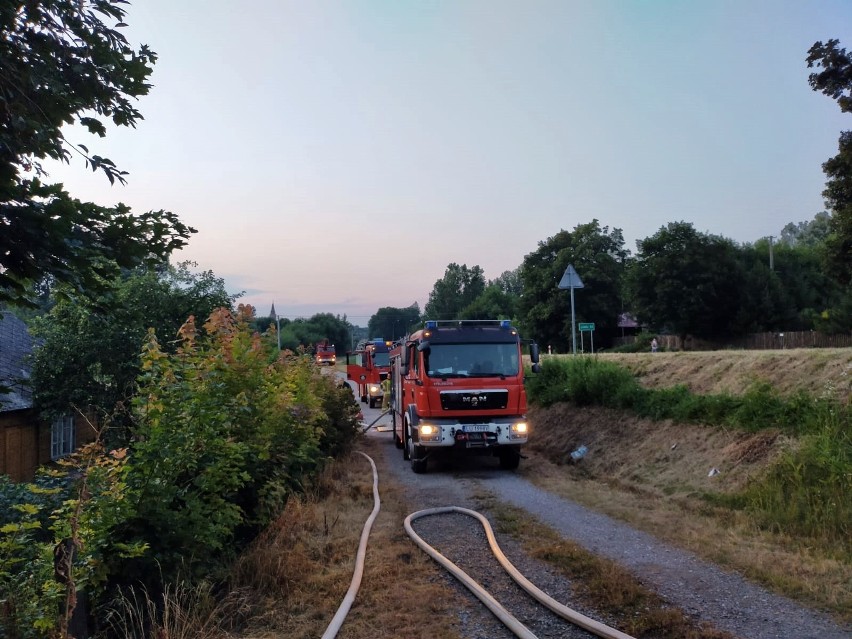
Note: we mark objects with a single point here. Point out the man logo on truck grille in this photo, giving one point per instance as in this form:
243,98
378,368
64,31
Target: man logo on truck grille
474,398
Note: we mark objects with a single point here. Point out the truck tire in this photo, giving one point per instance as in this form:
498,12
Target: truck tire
404,439
418,464
510,458
397,436
414,453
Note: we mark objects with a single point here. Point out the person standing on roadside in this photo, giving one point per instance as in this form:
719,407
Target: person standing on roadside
654,345
386,388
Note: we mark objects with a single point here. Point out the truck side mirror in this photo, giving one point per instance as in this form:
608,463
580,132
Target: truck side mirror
534,355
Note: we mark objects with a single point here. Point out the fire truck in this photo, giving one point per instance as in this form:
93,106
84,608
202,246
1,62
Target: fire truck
324,353
370,368
457,388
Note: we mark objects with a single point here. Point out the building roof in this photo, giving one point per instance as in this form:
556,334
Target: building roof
16,344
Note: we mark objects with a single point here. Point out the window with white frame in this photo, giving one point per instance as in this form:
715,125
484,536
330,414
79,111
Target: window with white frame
62,437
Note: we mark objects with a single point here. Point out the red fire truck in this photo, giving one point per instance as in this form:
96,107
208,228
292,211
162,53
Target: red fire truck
457,387
370,368
324,353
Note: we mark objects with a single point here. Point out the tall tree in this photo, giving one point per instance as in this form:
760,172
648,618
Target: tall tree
835,80
687,282
90,353
598,255
61,64
494,303
306,333
811,233
392,323
459,287
509,282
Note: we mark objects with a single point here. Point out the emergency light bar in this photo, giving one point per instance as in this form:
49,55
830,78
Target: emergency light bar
503,323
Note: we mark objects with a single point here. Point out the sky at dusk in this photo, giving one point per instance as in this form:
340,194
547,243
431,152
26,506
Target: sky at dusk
337,156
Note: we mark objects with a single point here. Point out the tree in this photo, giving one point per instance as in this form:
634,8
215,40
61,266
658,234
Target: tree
494,303
392,323
459,287
811,233
686,282
835,81
509,282
306,333
62,64
90,353
598,255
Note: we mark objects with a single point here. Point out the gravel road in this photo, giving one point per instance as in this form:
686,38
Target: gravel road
702,590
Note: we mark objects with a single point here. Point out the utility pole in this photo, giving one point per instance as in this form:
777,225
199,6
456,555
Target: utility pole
771,260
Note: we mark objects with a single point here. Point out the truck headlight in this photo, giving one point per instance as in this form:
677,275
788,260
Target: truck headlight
518,430
375,389
428,432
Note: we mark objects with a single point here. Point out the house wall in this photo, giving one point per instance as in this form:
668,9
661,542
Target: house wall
25,443
19,445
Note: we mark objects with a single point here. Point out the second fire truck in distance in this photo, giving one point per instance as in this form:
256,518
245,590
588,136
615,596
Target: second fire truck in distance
369,370
458,388
324,353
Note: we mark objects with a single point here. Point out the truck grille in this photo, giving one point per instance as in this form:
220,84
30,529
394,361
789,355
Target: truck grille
474,399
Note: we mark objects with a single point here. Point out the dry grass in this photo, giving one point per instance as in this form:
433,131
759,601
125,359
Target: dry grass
817,371
301,568
653,475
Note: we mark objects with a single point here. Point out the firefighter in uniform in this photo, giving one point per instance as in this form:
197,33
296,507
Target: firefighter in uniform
386,389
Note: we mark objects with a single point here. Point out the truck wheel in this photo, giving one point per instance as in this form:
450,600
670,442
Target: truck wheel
418,463
397,438
416,454
510,458
406,440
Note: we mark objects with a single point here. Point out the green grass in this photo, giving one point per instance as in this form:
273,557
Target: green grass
805,493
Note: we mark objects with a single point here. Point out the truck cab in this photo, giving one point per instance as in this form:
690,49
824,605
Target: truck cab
458,389
368,366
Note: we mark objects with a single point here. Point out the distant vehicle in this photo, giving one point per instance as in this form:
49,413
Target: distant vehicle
325,353
368,366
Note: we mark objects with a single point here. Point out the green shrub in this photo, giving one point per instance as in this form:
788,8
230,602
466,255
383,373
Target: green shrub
807,491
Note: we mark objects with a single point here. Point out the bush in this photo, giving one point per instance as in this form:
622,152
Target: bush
583,381
222,438
807,492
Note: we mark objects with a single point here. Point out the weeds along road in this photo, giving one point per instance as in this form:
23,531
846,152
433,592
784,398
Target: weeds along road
704,592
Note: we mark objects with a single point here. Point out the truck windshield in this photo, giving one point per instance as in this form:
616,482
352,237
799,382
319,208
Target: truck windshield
472,360
381,359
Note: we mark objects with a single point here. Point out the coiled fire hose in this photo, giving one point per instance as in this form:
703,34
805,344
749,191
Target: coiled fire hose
520,630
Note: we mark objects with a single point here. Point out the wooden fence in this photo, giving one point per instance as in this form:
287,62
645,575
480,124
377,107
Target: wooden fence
753,341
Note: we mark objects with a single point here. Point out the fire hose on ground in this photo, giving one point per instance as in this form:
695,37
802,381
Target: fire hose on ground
578,619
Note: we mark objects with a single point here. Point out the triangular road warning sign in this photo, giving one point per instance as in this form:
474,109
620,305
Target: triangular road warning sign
570,279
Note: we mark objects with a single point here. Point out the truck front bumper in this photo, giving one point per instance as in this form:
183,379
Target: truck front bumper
434,433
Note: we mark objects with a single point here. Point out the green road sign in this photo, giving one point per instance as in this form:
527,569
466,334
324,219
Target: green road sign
587,326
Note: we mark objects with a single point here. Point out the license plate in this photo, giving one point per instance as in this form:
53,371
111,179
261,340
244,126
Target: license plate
475,428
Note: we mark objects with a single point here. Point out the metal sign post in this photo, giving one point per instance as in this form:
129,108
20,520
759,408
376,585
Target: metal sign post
590,327
571,280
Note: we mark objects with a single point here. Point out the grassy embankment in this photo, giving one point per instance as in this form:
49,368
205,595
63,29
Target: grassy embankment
777,507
